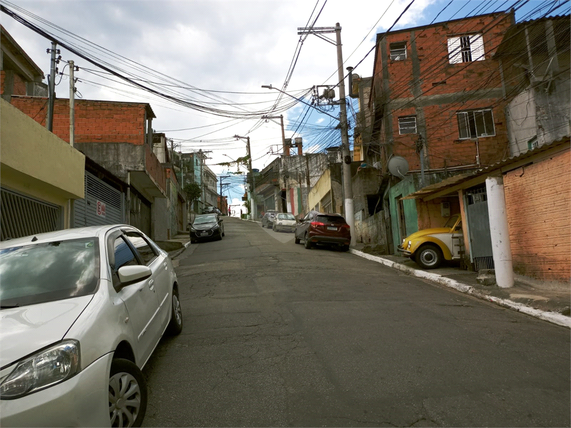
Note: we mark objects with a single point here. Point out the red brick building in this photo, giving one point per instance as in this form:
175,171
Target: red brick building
437,94
437,103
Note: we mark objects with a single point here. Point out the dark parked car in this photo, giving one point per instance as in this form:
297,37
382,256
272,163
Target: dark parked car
268,218
206,227
211,210
321,228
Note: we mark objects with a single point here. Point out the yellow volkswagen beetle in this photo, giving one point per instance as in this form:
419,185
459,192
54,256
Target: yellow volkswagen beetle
429,247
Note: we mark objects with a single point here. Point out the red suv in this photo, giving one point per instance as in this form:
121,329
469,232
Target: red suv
321,228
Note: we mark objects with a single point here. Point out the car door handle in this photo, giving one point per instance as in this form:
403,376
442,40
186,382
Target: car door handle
152,285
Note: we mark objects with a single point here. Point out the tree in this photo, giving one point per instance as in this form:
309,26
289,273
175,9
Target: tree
193,192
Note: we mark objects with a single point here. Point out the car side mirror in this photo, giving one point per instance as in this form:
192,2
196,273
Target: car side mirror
133,273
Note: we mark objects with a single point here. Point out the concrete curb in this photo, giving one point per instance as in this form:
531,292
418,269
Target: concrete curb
552,317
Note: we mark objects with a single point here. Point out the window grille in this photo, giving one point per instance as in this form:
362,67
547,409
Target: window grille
407,125
466,49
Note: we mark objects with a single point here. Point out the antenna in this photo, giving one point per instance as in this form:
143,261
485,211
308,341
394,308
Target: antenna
398,166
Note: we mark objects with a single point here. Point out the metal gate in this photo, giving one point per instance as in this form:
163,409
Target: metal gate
479,228
23,216
103,204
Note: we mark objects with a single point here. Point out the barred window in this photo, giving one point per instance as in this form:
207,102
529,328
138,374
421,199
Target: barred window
475,123
398,51
407,125
466,49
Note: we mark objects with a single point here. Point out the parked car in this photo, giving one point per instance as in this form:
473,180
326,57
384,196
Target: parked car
268,218
430,247
323,229
211,210
81,312
206,227
284,221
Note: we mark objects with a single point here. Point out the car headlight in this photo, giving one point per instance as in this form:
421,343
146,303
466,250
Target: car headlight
42,370
409,245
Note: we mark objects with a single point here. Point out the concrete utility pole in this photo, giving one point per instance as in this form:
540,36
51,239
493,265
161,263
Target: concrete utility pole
71,103
347,187
252,185
52,87
281,118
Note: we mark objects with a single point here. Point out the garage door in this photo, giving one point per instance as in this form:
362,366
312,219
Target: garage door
23,216
103,204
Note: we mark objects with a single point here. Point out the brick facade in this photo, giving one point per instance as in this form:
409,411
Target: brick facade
538,203
424,84
95,121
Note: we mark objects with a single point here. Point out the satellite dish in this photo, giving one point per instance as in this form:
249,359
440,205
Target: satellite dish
398,166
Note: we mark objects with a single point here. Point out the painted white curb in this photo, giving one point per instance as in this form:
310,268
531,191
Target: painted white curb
552,317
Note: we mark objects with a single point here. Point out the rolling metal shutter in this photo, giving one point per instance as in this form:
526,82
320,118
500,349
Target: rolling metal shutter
103,204
23,216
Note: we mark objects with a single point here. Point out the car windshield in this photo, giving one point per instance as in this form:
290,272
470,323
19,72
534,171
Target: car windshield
335,219
47,272
286,217
205,218
451,221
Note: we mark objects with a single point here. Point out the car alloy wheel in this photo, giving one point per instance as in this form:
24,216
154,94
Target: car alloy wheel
127,394
175,325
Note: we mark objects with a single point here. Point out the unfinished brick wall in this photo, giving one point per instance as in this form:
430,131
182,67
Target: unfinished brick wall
18,84
538,201
95,121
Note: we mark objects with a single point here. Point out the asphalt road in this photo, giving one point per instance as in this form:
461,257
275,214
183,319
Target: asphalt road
277,335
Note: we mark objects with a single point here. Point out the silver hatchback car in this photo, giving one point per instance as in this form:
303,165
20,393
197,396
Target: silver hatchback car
82,311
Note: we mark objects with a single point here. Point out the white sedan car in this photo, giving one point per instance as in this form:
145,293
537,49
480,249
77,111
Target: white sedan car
284,221
82,311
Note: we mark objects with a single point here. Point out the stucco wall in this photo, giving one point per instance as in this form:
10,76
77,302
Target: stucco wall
538,203
372,230
37,162
320,189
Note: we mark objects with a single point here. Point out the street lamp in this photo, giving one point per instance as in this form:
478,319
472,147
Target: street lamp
281,118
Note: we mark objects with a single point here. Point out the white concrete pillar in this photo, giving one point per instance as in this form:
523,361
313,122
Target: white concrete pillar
499,231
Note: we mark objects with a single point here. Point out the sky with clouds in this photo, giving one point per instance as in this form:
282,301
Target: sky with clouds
216,54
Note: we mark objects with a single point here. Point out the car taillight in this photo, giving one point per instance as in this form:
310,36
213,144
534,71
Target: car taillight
317,223
346,226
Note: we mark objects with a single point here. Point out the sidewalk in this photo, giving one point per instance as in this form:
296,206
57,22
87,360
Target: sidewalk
547,301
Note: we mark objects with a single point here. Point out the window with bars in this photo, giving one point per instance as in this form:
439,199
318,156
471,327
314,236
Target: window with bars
475,123
398,51
466,48
407,125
